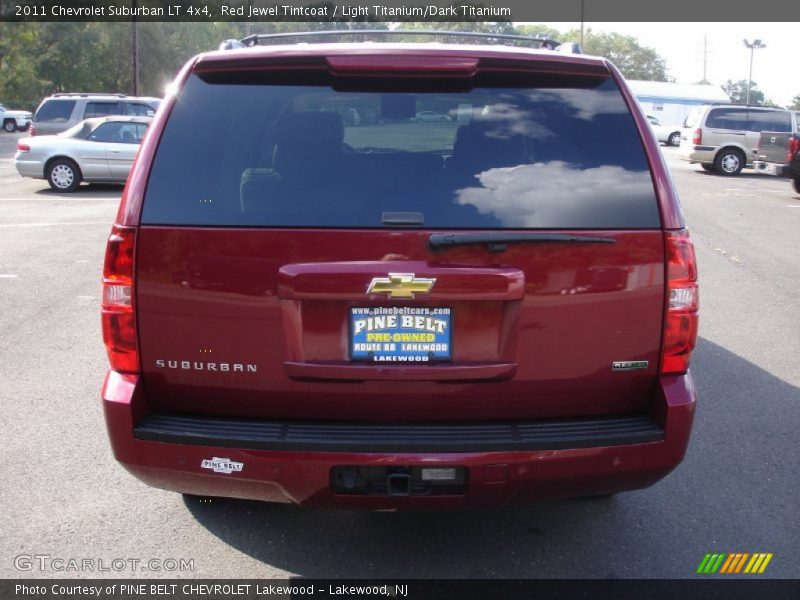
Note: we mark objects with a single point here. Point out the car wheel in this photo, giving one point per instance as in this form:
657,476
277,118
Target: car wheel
707,167
796,184
674,139
63,175
10,125
729,162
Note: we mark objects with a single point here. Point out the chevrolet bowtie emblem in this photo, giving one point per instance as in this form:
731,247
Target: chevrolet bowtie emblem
400,285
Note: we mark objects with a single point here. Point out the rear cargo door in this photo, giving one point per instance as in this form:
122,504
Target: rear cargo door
771,130
315,251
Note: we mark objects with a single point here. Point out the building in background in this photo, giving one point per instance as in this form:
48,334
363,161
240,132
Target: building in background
671,102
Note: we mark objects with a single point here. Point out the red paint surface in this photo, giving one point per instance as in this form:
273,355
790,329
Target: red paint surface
536,327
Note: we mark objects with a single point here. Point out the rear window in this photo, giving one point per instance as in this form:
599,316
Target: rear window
769,120
246,154
139,110
54,111
119,132
101,109
727,118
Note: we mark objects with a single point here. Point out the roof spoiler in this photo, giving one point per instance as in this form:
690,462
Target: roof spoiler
537,42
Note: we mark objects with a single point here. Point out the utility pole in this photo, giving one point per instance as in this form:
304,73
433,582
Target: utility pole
705,57
248,27
135,50
756,45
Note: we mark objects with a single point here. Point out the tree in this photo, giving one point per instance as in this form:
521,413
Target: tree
795,105
635,61
737,91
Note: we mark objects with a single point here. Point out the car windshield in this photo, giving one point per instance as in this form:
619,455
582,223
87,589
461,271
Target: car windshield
693,117
566,155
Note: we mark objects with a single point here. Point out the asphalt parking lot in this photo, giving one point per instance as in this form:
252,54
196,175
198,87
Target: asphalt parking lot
64,496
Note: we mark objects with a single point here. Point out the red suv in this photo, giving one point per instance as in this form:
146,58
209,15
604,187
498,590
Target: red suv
312,296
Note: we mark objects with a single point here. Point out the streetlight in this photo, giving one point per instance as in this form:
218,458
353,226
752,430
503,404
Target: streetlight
756,45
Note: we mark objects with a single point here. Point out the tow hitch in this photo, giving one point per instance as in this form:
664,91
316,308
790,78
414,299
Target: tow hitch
399,480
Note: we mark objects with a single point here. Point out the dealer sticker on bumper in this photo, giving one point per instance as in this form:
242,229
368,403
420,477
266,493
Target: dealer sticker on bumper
400,334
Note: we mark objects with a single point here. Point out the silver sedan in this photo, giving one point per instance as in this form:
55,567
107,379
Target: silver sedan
665,132
95,150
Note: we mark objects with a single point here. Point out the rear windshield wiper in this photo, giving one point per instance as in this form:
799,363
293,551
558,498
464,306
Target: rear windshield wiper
497,241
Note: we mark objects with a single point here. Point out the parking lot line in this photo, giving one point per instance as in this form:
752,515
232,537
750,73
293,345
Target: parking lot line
8,225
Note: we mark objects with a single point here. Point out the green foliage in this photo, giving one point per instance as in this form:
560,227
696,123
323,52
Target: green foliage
795,105
737,90
543,31
632,59
37,59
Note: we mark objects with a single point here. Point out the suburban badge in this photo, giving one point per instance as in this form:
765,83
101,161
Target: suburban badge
400,285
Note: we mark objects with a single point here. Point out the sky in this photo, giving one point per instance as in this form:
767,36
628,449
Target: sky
681,45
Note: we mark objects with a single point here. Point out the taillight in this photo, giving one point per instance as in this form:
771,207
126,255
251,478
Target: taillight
680,323
32,130
119,323
697,137
23,147
794,146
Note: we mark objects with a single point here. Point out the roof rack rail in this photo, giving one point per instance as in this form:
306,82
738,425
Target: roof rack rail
87,94
256,39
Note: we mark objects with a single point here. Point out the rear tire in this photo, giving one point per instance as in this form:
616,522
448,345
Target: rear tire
63,175
729,162
674,139
10,125
796,184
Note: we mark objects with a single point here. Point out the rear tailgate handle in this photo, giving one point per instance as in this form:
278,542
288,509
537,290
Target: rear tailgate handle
327,371
351,281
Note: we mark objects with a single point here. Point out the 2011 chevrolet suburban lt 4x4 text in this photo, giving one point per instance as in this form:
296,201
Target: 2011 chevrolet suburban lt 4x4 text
382,312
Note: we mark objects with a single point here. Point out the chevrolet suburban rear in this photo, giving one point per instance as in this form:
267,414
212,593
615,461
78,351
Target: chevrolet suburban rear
386,312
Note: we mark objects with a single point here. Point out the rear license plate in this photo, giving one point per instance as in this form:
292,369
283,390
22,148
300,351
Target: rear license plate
400,334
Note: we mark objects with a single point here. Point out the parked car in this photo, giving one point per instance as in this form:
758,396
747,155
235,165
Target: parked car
389,317
723,138
60,112
665,132
96,150
13,120
429,116
774,152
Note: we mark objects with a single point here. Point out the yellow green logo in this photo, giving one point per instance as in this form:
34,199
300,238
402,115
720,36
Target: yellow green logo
735,562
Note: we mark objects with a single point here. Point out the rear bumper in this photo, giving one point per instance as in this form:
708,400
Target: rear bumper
697,154
771,168
29,168
586,457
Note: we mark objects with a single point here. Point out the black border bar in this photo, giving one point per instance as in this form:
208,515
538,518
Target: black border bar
346,11
736,588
